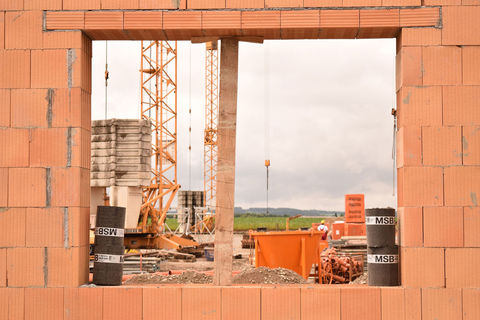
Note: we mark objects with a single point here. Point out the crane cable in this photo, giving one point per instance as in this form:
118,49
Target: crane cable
266,117
106,77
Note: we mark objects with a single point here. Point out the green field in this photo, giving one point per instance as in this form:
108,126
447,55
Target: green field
247,222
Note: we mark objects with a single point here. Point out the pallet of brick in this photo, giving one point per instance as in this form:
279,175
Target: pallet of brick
355,208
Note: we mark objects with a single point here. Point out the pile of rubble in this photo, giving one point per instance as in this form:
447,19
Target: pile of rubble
264,275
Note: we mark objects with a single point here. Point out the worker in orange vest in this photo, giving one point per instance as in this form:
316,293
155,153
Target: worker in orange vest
322,227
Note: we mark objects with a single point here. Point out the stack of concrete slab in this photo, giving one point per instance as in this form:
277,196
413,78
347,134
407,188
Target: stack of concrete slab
121,153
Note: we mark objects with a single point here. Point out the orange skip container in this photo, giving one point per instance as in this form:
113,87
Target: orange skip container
294,250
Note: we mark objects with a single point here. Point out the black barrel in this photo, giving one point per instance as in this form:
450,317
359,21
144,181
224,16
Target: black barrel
380,227
383,266
109,247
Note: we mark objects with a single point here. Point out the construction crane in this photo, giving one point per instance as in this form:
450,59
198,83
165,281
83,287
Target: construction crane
211,121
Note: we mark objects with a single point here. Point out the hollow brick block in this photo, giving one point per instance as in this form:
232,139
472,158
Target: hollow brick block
66,20
437,233
462,186
2,30
362,3
342,24
420,17
462,267
393,303
303,24
248,309
12,227
50,147
12,303
14,148
50,68
161,4
44,303
11,5
322,3
122,303
460,105
411,226
241,4
441,304
409,146
312,297
43,4
280,303
442,65
442,146
413,303
68,267
420,37
471,65
27,187
283,3
471,216
5,111
62,40
461,25
119,4
103,20
15,66
422,267
170,296
23,30
45,227
360,303
83,303
3,267
409,67
206,4
420,186
30,108
201,302
3,187
80,148
25,267
401,3
471,307
81,5
67,186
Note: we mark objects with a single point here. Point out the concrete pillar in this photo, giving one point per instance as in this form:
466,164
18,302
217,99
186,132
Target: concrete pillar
227,122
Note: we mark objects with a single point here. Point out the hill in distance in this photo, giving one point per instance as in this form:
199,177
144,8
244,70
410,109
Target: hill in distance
289,212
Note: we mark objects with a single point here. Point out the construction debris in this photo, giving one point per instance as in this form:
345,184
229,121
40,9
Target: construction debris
264,275
149,261
247,241
336,268
187,277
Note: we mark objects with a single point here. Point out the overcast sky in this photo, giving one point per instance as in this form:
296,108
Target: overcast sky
330,123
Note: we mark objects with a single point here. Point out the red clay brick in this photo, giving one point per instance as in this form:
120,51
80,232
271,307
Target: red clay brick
422,267
44,303
49,69
462,268
379,18
62,40
122,303
460,105
12,303
312,297
23,30
437,233
411,226
171,296
119,4
12,227
71,108
15,66
240,4
471,307
322,3
280,303
420,37
81,5
65,20
283,3
45,227
413,303
409,146
393,303
14,148
48,147
419,106
362,3
27,187
159,4
248,309
442,65
84,303
442,146
67,267
360,303
471,65
143,20
43,4
29,108
260,19
409,67
441,304
223,22
420,17
341,24
2,30
462,186
421,186
201,303
304,24
11,4
5,98
471,225
3,187
401,3
78,225
206,4
3,268
65,184
80,149
25,267
103,20
461,25
176,22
